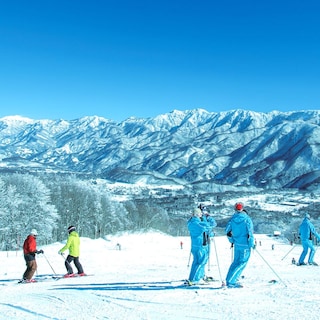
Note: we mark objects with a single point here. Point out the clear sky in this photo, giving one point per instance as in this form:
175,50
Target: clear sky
65,59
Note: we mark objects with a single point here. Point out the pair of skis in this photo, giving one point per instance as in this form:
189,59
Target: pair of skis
56,277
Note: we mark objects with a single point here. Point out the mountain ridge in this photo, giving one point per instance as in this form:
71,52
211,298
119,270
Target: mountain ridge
232,148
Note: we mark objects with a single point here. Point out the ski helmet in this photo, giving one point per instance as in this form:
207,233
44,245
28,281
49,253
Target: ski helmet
239,206
71,228
307,215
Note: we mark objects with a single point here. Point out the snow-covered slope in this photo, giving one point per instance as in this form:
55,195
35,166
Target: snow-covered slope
144,281
238,148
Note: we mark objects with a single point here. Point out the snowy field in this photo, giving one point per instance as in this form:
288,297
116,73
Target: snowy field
143,281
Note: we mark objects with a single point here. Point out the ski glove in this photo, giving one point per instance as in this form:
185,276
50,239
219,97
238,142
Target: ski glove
251,242
40,251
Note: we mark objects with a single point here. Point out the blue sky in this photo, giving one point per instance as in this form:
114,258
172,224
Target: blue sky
65,59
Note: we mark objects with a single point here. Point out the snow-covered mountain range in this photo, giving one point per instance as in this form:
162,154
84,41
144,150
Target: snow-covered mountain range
210,150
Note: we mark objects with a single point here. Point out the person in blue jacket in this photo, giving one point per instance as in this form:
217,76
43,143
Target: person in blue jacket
306,232
198,229
207,236
239,231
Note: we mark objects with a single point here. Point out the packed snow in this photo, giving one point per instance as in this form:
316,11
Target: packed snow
144,280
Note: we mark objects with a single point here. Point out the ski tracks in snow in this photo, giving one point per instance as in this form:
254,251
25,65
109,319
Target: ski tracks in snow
53,301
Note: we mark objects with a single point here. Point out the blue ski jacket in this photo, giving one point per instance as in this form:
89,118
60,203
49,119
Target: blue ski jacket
197,229
212,223
239,230
307,229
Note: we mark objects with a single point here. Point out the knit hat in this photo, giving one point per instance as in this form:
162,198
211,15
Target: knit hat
197,213
34,232
71,228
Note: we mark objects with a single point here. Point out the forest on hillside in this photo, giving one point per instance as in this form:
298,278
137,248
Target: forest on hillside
51,203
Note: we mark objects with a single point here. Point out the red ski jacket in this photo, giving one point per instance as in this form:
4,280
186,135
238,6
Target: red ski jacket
30,245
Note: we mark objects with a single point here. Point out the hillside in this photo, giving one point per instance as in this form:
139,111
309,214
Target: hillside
210,151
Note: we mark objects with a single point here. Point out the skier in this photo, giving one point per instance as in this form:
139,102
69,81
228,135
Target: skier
198,229
306,232
207,235
239,231
73,245
29,252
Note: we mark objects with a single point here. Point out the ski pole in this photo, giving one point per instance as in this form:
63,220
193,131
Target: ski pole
189,259
289,251
209,249
65,259
215,249
270,267
49,263
232,249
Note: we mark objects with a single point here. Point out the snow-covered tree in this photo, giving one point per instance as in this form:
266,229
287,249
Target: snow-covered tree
86,206
28,207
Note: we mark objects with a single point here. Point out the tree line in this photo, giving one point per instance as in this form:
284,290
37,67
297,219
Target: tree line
51,202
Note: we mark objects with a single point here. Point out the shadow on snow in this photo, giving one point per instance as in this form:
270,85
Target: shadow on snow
134,286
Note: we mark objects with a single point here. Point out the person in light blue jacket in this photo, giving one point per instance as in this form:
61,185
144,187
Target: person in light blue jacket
306,232
239,231
207,235
198,230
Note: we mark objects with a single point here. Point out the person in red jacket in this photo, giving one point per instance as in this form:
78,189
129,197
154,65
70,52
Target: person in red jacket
29,252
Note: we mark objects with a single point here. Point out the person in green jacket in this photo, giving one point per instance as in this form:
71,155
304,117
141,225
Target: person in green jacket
73,245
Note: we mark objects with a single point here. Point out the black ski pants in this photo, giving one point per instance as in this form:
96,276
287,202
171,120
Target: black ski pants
76,263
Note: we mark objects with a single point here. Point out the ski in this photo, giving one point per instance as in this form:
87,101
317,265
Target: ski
74,275
46,278
213,286
22,281
203,285
38,279
43,278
